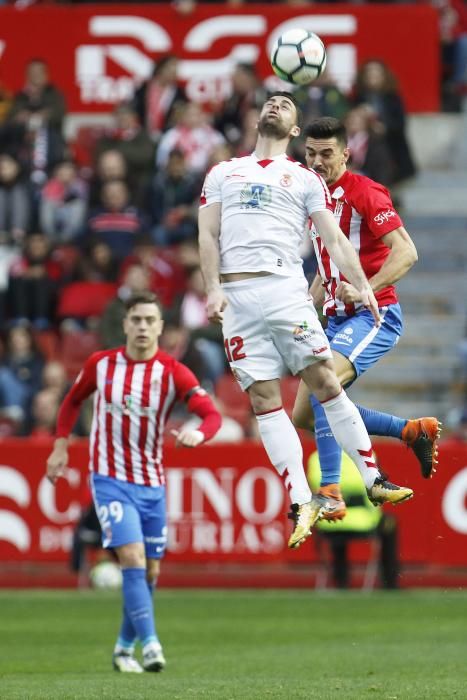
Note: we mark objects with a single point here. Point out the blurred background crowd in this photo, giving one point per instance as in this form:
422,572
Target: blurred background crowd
84,222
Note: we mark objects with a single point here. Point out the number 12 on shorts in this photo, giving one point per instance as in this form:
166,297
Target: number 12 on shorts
234,348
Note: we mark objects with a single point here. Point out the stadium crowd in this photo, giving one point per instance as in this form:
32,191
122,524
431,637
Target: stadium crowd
86,222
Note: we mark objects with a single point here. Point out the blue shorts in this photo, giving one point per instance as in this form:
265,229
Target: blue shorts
358,339
130,513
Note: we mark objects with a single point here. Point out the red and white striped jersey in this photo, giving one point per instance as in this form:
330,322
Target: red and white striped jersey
365,213
132,402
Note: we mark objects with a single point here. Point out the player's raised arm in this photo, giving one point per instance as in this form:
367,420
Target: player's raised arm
209,222
344,256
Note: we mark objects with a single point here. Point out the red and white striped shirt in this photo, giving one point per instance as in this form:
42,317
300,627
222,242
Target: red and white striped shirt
365,213
132,402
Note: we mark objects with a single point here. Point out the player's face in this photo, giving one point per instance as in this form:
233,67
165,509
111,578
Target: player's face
278,118
143,325
328,157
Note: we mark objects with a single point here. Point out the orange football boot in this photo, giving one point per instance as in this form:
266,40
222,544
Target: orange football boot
421,435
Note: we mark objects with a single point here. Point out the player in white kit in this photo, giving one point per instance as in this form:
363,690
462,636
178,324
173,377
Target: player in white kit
251,223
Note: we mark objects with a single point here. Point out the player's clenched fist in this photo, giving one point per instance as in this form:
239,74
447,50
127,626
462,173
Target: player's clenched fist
188,438
215,305
57,461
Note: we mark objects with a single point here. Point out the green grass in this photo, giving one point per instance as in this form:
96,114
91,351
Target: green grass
245,645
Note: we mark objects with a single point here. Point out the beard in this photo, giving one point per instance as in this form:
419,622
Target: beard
273,128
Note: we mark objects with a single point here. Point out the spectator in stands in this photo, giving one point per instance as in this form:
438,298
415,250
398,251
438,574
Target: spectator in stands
20,374
33,129
376,87
44,411
39,101
116,222
173,199
453,33
54,378
322,98
247,93
165,270
369,154
135,280
63,204
130,139
157,99
177,342
5,102
97,264
247,141
206,337
33,283
110,166
193,135
15,200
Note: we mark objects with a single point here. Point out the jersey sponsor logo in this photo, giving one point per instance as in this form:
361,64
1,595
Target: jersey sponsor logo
384,216
343,338
129,407
318,351
302,332
255,196
286,180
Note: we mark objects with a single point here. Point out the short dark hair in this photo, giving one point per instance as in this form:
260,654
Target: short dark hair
290,96
327,128
145,297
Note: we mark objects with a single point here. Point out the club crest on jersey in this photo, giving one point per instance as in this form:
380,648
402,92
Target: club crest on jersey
286,180
255,196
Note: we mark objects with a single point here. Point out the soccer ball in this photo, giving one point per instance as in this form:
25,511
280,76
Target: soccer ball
106,576
298,56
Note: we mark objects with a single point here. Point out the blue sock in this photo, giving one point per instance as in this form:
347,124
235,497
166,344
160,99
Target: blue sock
138,616
378,423
127,636
328,450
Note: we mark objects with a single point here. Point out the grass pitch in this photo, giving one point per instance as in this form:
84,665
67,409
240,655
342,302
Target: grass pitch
245,645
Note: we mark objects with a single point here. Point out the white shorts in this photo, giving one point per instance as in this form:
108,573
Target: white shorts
271,324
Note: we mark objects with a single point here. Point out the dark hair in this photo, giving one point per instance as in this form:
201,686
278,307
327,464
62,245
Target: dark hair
289,95
162,62
145,297
327,128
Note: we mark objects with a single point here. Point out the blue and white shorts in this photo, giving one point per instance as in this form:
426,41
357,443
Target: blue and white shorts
130,513
358,339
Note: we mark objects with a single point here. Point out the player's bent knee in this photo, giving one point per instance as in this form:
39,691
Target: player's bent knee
131,556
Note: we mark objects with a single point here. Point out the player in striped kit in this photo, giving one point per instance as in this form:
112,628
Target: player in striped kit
365,213
135,388
251,222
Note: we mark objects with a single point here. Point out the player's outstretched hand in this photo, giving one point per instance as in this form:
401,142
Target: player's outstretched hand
215,305
370,303
56,463
188,438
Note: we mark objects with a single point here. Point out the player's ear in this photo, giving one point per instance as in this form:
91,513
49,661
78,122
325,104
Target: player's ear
346,154
295,131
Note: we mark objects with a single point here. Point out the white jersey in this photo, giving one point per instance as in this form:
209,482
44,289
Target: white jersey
265,206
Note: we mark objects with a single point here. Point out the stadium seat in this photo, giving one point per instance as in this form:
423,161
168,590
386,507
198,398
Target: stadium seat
289,388
76,348
85,299
235,402
48,344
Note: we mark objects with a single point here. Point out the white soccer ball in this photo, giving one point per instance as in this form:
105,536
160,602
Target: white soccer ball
106,576
298,56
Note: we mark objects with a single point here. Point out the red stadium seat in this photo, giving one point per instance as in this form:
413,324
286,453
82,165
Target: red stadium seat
85,299
235,402
289,388
47,344
76,348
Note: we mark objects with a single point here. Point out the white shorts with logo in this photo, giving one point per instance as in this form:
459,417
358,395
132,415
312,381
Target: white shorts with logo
271,324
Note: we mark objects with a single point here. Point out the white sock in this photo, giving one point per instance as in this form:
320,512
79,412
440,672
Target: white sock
350,432
281,442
